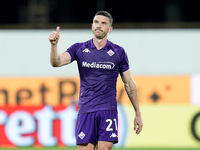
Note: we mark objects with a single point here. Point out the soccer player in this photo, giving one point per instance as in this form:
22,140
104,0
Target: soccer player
99,62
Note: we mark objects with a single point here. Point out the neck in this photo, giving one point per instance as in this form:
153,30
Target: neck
99,43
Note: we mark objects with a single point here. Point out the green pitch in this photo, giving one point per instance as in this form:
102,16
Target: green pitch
74,148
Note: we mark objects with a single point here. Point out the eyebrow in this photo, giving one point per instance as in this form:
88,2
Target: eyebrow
101,22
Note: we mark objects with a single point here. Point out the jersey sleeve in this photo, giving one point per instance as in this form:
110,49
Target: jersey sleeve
124,62
72,50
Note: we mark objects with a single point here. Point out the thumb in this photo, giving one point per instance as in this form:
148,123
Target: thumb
58,29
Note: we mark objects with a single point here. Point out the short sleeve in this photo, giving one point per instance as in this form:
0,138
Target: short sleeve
72,50
124,62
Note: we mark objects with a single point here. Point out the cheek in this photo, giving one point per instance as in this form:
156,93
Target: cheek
92,27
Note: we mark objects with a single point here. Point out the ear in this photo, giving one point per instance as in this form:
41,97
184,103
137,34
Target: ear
91,25
110,29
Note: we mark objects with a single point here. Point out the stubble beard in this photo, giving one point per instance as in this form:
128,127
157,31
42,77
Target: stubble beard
100,36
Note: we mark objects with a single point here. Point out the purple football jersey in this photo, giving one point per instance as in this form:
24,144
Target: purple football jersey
98,71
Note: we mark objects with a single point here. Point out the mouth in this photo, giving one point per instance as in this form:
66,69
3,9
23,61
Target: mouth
98,30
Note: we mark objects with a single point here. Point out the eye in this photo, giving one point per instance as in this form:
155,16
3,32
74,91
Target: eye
95,21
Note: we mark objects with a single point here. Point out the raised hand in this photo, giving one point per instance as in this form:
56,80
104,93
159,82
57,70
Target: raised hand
54,36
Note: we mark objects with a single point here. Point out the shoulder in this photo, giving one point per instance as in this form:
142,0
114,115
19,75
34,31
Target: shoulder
119,50
81,44
116,47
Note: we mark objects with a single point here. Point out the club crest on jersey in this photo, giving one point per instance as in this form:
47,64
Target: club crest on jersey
81,135
86,50
110,52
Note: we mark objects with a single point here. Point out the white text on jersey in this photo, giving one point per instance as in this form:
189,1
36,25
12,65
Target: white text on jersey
101,65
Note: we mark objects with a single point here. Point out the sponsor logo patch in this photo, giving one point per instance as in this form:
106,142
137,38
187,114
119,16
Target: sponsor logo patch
101,65
86,50
113,135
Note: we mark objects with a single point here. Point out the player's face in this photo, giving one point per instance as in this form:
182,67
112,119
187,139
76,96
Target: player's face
101,26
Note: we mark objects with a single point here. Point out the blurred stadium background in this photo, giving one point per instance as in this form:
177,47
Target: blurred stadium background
38,103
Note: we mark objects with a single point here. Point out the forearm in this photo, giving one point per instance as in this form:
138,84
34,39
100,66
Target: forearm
132,92
54,56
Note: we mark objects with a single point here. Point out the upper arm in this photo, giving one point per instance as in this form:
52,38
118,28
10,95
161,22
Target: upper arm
65,58
126,77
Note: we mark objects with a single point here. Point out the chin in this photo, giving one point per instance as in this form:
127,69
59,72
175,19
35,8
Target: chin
100,36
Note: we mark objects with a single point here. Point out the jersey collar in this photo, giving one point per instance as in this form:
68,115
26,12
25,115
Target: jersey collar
94,47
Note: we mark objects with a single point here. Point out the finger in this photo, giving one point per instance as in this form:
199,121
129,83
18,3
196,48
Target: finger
51,38
139,129
135,126
54,36
58,29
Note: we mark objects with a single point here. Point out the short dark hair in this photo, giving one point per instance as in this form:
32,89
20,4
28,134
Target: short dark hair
106,14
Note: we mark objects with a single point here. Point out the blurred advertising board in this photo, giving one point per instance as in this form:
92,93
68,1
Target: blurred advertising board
41,111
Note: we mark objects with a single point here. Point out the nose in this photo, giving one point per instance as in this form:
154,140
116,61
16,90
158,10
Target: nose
99,25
